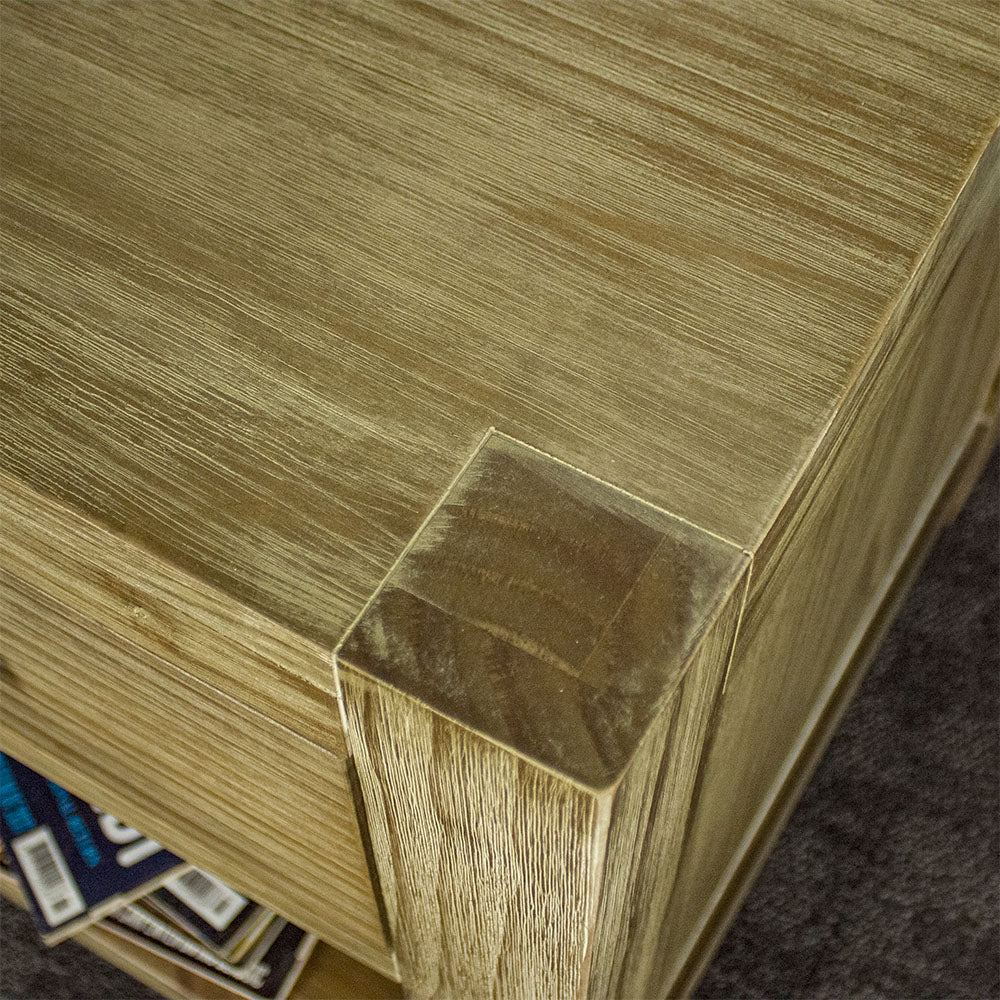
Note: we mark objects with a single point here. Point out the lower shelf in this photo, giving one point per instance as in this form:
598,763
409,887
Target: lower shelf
329,974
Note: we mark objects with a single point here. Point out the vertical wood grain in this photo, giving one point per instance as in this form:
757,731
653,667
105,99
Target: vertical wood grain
527,697
652,810
487,861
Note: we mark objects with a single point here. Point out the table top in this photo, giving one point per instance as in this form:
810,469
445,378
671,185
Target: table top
271,272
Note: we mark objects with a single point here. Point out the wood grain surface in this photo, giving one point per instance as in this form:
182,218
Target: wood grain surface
823,579
146,600
546,610
526,697
270,274
719,907
189,765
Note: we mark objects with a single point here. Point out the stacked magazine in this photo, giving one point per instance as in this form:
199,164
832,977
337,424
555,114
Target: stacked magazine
78,865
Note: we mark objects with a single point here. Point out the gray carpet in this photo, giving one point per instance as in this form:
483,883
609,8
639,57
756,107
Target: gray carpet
886,882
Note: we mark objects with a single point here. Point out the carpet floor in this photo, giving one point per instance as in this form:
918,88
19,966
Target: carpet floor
886,882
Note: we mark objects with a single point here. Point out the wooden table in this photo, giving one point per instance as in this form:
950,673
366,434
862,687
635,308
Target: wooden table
591,377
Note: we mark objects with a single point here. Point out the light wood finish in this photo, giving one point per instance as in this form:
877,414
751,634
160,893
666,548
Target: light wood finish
270,274
496,619
182,645
822,576
145,599
329,974
721,906
187,764
524,694
533,586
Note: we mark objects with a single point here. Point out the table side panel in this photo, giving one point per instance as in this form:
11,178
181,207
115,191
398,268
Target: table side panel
218,783
843,545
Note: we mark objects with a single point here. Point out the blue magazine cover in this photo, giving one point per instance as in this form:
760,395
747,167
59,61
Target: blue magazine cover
74,862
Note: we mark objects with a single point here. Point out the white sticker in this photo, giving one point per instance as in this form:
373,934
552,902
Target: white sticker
209,897
44,867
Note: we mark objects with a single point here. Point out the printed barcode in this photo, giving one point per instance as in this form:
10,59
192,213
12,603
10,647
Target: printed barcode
210,898
198,883
209,892
43,866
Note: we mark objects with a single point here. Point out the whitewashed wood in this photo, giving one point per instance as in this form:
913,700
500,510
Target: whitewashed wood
188,765
274,272
270,273
146,600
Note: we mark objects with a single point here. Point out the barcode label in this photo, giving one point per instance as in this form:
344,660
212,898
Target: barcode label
49,879
210,898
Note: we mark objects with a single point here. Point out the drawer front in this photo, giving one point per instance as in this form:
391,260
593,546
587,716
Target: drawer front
214,780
